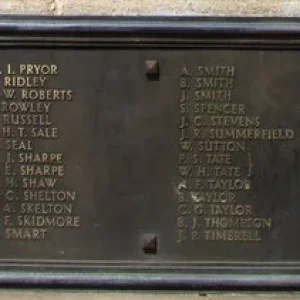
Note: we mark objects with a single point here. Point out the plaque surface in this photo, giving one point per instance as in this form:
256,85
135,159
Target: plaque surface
150,152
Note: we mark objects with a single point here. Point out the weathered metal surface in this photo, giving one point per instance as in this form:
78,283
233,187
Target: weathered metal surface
134,157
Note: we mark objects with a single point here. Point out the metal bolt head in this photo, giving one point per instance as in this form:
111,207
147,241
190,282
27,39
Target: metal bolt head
149,243
152,69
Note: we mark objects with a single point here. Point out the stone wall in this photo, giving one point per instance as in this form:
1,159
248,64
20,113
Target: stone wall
289,8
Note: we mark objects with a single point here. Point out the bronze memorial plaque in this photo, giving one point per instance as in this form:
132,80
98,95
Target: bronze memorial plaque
150,152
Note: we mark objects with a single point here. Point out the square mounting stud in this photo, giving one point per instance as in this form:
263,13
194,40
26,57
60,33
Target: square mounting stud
152,69
149,243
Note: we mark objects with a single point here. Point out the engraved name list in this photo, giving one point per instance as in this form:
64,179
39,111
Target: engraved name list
35,201
215,163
